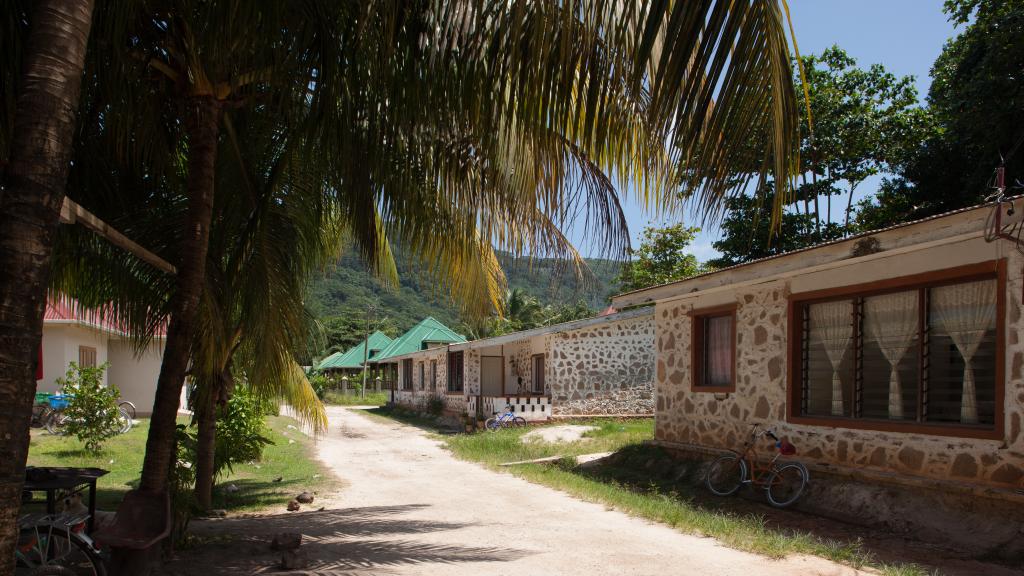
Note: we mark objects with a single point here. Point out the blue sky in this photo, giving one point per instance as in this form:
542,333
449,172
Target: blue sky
903,35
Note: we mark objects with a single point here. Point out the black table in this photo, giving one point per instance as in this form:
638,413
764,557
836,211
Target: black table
53,479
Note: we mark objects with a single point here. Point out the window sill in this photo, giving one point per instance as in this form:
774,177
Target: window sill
714,389
957,431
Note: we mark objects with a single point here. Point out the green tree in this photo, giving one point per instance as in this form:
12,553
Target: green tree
662,257
974,100
866,122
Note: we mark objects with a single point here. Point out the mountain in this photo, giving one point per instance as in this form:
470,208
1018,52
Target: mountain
341,296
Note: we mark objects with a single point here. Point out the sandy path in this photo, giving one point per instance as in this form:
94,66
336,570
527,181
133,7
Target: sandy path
410,508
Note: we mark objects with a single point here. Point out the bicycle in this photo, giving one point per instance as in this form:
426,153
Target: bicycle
129,408
56,544
783,481
57,420
506,420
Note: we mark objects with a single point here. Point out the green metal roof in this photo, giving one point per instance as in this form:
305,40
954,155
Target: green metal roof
353,357
428,330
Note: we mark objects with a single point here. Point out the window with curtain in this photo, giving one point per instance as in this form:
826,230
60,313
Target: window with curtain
714,341
923,354
455,373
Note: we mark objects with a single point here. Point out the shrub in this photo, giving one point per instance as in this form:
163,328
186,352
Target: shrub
92,414
241,431
435,406
320,384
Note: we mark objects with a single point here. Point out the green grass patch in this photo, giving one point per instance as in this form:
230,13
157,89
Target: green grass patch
645,481
295,463
336,398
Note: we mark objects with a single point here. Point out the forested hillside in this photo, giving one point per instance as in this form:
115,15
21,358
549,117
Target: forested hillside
341,296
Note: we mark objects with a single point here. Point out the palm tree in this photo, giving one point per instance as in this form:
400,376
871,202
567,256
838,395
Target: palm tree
459,124
44,68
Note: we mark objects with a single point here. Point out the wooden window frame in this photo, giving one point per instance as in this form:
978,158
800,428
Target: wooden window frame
993,269
92,351
697,318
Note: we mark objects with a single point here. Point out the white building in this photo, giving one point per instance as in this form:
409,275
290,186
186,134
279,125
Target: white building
71,334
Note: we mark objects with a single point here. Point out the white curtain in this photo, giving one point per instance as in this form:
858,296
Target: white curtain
966,312
832,327
719,351
891,321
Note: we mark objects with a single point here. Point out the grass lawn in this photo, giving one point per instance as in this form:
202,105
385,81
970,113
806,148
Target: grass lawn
644,481
122,455
371,399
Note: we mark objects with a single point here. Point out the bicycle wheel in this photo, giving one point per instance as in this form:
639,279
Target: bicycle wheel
128,407
492,424
55,423
46,550
519,421
726,475
786,484
124,421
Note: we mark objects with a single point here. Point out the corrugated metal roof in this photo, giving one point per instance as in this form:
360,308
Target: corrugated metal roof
816,246
64,310
353,357
428,330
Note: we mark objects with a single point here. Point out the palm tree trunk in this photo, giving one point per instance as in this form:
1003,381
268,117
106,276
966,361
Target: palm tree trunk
206,447
203,131
35,178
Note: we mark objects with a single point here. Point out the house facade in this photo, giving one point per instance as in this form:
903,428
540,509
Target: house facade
595,366
72,334
895,355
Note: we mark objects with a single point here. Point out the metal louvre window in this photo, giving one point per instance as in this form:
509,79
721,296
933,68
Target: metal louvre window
455,375
925,354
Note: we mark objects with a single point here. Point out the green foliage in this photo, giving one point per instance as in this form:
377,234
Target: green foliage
92,414
523,312
241,431
435,406
341,297
662,257
747,234
975,101
320,384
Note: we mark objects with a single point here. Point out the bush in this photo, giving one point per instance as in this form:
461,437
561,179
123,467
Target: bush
92,414
241,431
320,384
435,406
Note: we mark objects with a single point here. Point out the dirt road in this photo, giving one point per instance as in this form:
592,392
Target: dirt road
410,508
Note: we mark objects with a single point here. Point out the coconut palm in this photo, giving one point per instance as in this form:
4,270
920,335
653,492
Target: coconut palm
45,65
461,124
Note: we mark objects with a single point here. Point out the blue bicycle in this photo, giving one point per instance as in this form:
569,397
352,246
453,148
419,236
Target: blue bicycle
506,420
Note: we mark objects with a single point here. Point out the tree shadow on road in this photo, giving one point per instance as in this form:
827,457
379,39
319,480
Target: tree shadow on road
346,541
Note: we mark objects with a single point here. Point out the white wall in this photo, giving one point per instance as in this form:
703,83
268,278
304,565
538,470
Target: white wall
136,375
60,349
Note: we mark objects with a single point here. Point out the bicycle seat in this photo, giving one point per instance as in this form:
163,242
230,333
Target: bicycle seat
495,413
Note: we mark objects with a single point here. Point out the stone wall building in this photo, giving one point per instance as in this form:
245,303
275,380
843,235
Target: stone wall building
596,366
893,357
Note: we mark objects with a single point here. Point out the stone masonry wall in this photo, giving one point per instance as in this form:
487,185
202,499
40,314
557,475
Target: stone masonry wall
722,421
603,369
